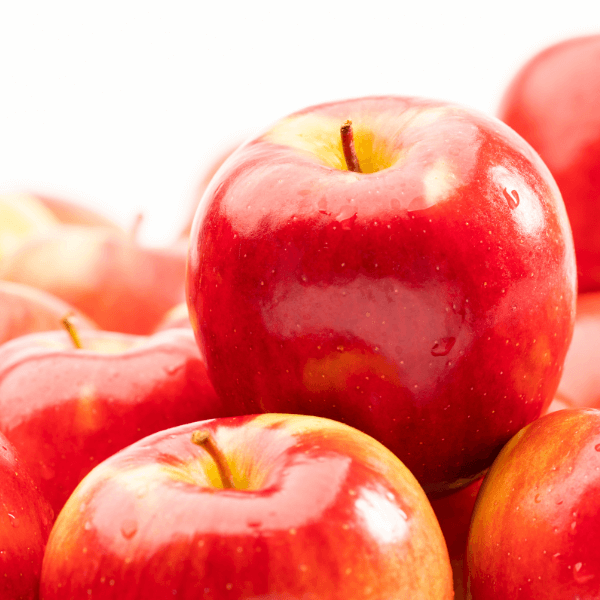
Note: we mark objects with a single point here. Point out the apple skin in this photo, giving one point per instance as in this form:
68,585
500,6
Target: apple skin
25,309
419,303
67,409
553,103
536,521
178,316
69,212
580,381
121,285
320,511
25,522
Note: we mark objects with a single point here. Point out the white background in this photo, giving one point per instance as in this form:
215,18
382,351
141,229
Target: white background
122,105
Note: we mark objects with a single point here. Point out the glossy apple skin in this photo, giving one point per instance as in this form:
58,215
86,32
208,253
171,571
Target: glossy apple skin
25,309
535,527
433,316
121,285
327,512
67,409
580,381
25,522
553,103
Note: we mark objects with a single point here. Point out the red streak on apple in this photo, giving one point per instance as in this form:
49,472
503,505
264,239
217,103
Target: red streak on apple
25,522
413,300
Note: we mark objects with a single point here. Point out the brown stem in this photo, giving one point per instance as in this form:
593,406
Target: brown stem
72,331
348,147
202,437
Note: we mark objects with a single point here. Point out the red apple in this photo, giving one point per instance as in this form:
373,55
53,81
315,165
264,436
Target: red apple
21,217
178,316
428,300
25,522
74,213
553,103
66,409
118,283
25,309
580,381
535,527
316,510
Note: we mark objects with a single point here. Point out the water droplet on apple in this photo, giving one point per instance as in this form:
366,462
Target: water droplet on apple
443,346
537,498
597,447
13,520
128,528
512,198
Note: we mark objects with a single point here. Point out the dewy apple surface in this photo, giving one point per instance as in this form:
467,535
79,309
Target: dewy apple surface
429,302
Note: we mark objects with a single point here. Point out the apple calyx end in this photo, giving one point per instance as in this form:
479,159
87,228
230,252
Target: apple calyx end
72,331
203,438
347,136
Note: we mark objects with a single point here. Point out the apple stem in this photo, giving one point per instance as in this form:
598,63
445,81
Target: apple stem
135,227
348,147
202,437
72,331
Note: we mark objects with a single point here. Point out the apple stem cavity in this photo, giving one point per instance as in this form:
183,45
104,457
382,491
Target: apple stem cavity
202,437
348,146
72,331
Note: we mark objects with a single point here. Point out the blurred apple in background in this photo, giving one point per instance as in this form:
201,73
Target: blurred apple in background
295,507
25,309
428,300
121,285
25,522
22,216
580,382
178,316
74,213
536,522
553,103
66,409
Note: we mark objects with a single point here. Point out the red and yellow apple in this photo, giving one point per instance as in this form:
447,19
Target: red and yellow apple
553,103
121,285
427,300
22,216
66,409
25,309
536,522
295,507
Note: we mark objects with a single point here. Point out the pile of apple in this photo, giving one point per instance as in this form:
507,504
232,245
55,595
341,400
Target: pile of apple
301,397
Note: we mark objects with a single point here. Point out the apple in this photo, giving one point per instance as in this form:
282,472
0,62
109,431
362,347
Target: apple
25,309
178,316
580,381
74,213
22,216
66,409
553,103
272,506
536,520
207,174
427,300
121,285
25,522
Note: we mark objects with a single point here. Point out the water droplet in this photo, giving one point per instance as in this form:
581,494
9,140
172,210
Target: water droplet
129,528
537,498
443,346
13,520
597,447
